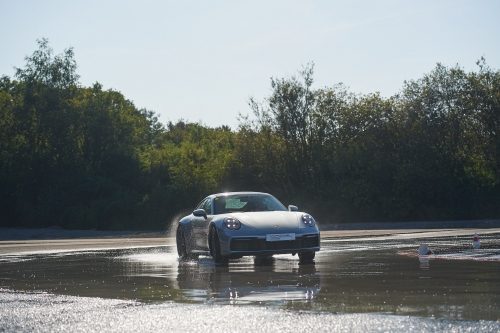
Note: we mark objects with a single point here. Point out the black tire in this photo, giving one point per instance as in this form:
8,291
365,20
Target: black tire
215,247
180,238
307,256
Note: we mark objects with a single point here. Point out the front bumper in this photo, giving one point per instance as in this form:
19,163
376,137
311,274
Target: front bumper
235,246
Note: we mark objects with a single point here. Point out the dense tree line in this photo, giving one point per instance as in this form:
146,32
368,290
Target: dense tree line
84,157
430,152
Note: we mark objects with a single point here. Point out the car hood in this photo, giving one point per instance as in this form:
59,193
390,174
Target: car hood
275,219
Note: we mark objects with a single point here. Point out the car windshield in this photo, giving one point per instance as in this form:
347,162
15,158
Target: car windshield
246,203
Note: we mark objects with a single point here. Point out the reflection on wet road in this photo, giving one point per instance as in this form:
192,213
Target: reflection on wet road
348,276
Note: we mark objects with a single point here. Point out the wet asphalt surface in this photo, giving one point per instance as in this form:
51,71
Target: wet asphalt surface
354,284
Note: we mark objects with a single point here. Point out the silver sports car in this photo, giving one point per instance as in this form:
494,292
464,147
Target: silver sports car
236,224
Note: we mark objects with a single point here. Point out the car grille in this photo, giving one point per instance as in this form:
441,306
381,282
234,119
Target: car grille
254,244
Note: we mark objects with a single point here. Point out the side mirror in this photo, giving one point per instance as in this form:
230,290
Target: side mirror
199,213
292,208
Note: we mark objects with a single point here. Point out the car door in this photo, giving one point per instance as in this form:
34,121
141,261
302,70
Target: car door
200,225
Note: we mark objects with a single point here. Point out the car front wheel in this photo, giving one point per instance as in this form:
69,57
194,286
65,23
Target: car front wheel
307,256
215,247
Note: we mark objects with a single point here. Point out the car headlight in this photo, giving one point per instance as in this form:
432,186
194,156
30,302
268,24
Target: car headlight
232,223
308,220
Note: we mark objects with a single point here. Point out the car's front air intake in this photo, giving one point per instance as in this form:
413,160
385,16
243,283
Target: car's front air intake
255,244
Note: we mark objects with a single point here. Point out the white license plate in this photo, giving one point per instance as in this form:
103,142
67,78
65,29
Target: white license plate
280,237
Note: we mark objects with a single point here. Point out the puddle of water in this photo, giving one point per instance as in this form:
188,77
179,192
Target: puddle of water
347,277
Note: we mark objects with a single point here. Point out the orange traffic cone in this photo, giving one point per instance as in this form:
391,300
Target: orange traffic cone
475,242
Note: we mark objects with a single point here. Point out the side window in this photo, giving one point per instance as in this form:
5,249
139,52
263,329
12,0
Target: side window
201,205
207,206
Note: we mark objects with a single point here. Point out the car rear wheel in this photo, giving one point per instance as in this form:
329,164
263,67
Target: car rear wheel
181,243
307,256
215,247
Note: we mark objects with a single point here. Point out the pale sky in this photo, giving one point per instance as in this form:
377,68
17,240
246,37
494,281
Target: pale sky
203,60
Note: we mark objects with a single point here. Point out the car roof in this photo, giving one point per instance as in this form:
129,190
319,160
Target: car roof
235,193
